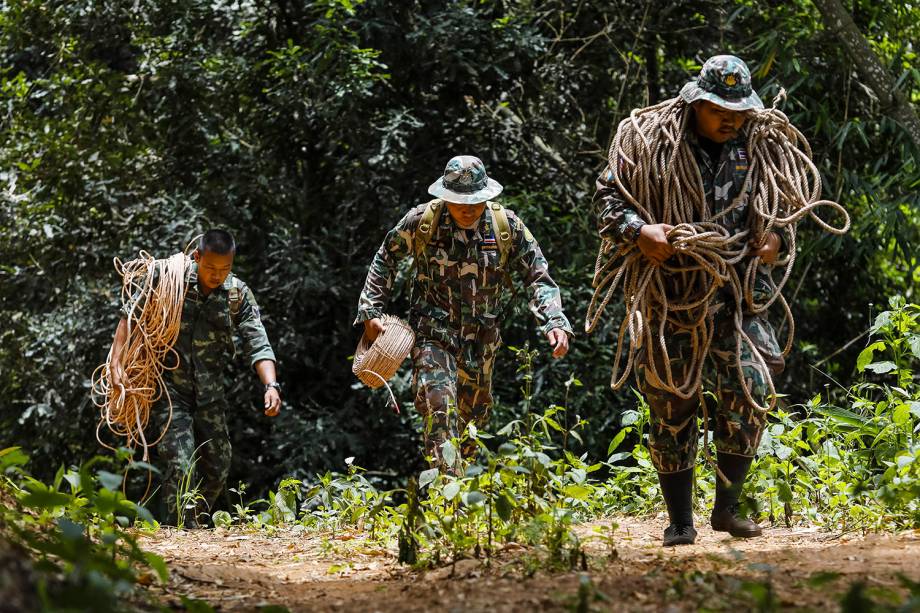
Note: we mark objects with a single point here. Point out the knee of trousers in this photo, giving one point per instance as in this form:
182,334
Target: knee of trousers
739,430
435,398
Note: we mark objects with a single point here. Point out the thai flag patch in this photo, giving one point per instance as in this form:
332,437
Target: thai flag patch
489,244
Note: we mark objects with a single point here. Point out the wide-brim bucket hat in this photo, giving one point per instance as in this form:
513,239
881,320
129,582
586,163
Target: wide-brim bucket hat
726,81
465,182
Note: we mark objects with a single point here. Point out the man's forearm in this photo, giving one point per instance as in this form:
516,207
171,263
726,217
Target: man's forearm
121,335
266,371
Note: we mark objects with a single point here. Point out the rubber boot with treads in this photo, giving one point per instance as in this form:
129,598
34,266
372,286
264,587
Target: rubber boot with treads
726,510
677,490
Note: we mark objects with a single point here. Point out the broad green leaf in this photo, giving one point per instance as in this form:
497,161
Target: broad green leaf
504,506
10,457
43,498
881,368
865,356
617,440
109,481
784,492
427,476
71,531
449,453
913,341
451,490
901,414
579,492
471,498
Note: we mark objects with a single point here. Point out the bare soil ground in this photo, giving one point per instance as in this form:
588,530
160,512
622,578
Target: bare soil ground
627,570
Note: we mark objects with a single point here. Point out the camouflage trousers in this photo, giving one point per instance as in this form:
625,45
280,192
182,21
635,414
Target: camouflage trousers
673,430
453,386
201,427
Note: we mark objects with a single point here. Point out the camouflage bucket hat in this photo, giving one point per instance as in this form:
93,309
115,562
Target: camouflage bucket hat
726,81
465,182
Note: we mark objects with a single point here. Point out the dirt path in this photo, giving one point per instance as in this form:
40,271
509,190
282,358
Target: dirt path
797,568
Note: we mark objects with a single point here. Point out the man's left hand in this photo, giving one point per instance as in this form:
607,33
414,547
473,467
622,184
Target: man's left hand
770,248
559,341
272,402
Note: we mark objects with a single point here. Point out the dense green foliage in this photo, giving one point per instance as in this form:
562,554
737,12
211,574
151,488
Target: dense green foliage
308,128
86,558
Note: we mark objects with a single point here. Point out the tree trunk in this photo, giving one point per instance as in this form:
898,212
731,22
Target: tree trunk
870,68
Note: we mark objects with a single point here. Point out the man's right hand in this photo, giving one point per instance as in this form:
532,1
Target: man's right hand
373,328
117,374
653,242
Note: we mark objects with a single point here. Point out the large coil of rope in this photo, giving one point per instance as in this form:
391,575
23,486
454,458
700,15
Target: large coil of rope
656,173
152,294
376,362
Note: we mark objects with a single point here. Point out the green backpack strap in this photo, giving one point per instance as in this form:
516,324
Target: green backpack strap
502,229
235,297
426,225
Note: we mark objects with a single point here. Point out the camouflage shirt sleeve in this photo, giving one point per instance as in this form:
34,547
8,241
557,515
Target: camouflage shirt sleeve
382,273
528,260
614,214
252,333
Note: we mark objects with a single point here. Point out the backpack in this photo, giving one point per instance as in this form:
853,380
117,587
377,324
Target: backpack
500,226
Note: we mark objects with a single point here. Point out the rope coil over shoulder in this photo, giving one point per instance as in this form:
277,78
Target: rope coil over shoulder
657,175
152,295
377,362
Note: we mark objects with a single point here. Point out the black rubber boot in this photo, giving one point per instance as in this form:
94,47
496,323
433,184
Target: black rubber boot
677,490
726,510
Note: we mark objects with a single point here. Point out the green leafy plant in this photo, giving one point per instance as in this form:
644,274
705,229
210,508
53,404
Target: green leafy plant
78,530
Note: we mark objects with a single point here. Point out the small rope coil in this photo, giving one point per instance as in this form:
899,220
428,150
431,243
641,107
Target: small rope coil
377,362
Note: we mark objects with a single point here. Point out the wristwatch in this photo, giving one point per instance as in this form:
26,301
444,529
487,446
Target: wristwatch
273,384
631,232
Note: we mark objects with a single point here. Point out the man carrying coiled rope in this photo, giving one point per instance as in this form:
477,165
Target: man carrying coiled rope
686,210
463,260
216,303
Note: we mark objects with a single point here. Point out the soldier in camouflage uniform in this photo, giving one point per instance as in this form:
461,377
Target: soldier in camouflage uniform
216,304
717,137
458,284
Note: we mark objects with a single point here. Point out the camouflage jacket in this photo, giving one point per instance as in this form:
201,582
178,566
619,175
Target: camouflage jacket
723,181
459,283
205,344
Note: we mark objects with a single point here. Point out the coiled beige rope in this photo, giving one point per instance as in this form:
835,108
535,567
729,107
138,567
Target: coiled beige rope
657,174
152,293
376,362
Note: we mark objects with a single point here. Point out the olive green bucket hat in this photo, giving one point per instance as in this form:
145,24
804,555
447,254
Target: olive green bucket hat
465,182
726,81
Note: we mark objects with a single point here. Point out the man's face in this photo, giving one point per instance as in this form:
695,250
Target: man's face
213,268
466,215
717,123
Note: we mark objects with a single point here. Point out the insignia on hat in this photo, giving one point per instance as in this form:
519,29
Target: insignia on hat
730,80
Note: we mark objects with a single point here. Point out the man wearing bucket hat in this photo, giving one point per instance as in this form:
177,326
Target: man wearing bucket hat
465,248
719,100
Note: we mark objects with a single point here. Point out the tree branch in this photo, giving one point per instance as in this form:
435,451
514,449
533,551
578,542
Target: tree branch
840,22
